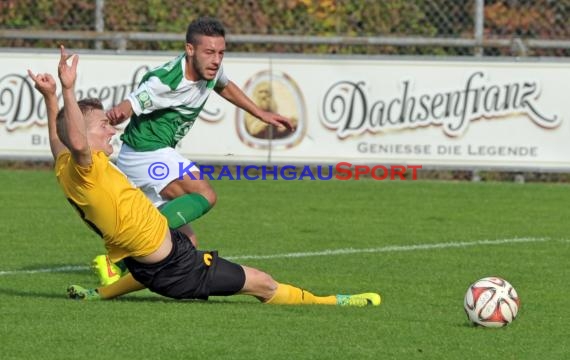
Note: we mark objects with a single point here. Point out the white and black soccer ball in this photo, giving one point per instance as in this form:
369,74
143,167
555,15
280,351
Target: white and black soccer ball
491,302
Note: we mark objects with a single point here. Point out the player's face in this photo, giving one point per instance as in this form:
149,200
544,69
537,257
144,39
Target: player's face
99,131
205,57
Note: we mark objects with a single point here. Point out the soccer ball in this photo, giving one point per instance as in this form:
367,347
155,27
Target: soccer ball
491,302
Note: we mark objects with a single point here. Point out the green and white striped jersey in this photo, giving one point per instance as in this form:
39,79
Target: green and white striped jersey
166,105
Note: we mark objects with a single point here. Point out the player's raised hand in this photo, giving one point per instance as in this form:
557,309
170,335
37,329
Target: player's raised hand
277,120
45,83
119,113
115,115
67,73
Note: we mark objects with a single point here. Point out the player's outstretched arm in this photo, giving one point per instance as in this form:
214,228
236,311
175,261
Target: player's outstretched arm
46,85
72,130
236,96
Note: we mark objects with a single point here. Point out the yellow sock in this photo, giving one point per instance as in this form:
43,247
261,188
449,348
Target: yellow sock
291,295
124,285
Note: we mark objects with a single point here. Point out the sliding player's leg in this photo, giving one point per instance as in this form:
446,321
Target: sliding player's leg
257,283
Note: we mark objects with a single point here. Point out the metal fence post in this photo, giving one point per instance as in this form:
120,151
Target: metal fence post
99,21
479,21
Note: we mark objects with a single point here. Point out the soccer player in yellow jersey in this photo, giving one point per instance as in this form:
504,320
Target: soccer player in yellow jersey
133,230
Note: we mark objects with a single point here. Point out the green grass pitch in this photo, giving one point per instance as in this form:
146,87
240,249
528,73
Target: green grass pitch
419,243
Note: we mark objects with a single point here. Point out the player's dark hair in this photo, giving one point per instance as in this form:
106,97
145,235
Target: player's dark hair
88,104
207,26
85,105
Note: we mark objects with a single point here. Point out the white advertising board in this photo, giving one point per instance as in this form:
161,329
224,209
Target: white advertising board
434,113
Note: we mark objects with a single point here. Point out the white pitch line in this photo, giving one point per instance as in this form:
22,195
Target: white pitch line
347,251
393,248
70,268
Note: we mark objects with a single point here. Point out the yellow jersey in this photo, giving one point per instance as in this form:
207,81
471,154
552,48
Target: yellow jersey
105,199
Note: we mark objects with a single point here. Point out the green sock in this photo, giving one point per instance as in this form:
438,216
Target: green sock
184,209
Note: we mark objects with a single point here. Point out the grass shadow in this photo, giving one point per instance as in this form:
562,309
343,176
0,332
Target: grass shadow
150,298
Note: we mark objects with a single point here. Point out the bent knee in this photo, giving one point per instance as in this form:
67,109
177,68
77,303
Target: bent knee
211,196
267,281
259,281
178,188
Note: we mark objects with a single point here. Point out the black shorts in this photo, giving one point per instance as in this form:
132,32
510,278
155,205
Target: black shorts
187,273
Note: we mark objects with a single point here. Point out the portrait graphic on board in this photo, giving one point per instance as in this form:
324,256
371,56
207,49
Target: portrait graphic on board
275,92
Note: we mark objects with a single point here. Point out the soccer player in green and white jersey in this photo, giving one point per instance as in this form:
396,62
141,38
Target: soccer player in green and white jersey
162,110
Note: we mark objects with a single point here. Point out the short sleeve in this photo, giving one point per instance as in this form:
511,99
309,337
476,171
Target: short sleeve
148,96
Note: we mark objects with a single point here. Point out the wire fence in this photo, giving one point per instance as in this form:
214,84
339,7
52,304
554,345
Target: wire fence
398,27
